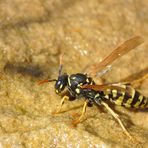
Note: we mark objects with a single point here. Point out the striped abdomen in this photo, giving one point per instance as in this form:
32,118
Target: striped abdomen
129,97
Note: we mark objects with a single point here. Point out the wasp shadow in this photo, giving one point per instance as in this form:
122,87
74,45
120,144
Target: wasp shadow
24,69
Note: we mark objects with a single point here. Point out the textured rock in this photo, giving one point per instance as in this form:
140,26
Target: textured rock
32,36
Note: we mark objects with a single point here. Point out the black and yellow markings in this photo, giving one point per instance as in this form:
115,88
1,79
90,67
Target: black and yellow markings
73,78
120,98
139,101
115,96
77,90
57,91
88,80
97,95
61,86
114,92
69,83
144,102
129,98
108,94
135,99
80,84
141,98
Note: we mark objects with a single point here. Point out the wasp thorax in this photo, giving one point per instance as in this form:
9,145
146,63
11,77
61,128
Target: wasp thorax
75,81
61,83
79,79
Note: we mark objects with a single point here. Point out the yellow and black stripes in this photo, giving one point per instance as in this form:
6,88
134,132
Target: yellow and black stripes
139,101
129,98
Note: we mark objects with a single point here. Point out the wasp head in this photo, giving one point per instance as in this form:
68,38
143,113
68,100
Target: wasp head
61,83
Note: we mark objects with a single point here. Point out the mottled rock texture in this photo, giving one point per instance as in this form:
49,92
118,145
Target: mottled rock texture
32,36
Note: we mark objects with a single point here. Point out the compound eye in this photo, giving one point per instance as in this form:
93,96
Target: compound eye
58,83
58,86
61,83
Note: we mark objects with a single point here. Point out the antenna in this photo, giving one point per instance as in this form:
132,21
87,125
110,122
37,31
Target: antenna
45,81
61,64
60,72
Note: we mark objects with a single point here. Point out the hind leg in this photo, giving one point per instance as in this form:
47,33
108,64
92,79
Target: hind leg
115,115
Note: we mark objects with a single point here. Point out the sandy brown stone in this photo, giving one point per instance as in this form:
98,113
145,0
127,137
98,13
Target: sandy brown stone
32,36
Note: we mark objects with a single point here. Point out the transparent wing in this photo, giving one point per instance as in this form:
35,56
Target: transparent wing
115,54
120,87
105,87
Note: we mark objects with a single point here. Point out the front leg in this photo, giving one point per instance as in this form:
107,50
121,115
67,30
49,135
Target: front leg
65,98
75,122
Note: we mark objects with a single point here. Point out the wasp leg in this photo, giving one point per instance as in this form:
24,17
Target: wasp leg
61,104
75,122
136,82
118,119
139,81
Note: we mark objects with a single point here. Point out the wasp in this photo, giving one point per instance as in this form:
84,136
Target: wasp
81,85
